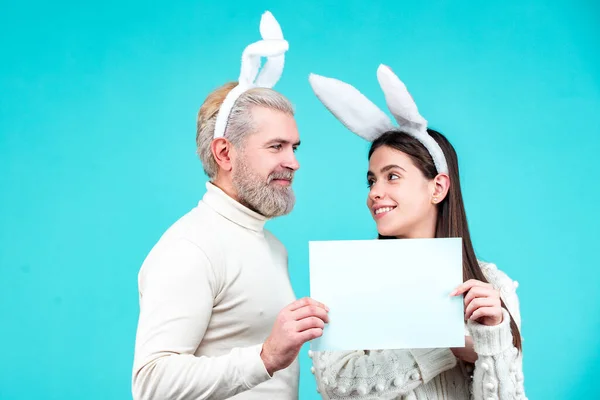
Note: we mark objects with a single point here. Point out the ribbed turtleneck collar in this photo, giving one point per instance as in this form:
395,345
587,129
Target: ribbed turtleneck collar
229,208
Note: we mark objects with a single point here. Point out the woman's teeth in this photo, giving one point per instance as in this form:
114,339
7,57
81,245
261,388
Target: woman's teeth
384,209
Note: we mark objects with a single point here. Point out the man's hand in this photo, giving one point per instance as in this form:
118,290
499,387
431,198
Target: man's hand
296,324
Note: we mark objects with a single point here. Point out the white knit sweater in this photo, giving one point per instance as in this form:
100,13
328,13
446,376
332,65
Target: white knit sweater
432,374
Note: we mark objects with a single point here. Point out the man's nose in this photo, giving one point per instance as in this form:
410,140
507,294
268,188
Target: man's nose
291,162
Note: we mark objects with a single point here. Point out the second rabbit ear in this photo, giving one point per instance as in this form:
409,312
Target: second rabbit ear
252,56
273,47
350,107
273,68
399,101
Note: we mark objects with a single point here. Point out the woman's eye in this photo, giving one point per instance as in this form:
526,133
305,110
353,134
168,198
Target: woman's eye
393,176
370,182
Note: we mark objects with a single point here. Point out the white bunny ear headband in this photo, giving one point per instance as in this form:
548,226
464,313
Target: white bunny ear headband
273,47
365,119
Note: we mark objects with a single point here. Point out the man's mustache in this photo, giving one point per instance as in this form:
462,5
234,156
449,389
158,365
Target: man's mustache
286,175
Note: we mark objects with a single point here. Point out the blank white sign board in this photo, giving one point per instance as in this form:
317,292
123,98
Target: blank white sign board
388,294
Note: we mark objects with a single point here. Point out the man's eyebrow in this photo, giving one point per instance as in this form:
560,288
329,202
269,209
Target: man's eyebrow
283,141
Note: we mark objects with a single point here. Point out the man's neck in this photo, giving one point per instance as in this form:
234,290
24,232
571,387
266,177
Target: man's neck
227,187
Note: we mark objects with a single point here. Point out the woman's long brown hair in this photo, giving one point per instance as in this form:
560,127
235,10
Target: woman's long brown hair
452,218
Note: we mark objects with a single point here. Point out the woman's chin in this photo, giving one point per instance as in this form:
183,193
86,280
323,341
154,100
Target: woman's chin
386,231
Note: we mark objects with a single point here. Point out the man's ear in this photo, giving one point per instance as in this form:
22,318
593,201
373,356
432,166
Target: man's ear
221,149
441,185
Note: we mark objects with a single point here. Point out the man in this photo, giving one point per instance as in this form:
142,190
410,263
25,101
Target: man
218,316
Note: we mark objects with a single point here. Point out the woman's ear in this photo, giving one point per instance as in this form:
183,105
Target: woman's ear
441,185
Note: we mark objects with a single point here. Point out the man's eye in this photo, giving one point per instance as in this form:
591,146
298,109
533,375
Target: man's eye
277,147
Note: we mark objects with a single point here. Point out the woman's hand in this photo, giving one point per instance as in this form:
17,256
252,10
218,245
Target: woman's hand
482,302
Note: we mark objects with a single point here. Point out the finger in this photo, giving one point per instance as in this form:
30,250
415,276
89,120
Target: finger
467,285
486,312
478,303
474,293
478,292
310,334
463,287
305,301
309,323
310,311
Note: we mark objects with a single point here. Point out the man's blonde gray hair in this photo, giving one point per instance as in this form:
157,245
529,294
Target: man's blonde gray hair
240,123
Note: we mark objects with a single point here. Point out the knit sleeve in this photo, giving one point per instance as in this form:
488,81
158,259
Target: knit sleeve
384,373
498,370
177,291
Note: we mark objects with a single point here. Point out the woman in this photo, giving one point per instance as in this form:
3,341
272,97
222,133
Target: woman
414,192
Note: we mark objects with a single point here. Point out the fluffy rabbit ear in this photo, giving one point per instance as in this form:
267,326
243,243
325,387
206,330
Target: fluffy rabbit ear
269,27
274,51
399,101
273,47
273,68
351,107
403,108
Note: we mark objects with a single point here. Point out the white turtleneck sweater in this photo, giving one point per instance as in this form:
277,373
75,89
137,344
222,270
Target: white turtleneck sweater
432,374
209,293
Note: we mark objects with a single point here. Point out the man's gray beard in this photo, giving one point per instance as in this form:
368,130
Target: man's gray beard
254,192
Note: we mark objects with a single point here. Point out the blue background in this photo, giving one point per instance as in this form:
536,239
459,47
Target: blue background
98,104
